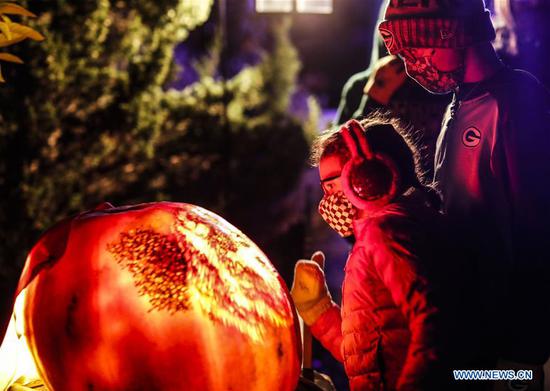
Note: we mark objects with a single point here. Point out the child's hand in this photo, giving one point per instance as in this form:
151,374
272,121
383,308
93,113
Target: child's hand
309,289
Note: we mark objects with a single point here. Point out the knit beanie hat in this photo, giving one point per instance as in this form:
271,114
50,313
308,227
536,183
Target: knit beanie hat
435,24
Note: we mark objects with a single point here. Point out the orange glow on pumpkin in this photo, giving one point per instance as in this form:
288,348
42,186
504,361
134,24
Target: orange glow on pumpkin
206,263
157,296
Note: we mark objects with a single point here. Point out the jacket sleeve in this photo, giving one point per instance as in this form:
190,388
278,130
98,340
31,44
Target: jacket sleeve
398,268
328,330
524,169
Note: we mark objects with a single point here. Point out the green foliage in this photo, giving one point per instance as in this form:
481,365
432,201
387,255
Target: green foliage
90,120
209,64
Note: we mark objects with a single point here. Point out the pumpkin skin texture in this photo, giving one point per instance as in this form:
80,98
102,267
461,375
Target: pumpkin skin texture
160,296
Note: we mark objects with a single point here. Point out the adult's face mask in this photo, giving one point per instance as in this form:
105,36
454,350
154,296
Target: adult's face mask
338,212
436,81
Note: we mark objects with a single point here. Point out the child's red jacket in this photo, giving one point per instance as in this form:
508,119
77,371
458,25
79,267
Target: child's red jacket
388,329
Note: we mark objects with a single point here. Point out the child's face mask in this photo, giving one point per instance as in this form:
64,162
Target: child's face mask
338,212
422,69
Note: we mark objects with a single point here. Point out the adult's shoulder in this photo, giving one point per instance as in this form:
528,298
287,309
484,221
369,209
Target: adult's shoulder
357,79
524,109
520,89
351,96
353,88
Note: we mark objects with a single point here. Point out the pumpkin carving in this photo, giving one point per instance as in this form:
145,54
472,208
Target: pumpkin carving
160,296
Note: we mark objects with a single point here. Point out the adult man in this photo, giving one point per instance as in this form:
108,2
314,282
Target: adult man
385,86
491,165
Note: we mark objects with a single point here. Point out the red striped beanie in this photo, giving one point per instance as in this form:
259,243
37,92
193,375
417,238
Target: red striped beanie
435,24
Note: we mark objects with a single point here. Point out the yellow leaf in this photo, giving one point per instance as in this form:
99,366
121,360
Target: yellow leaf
14,9
26,31
1,77
10,57
5,29
15,38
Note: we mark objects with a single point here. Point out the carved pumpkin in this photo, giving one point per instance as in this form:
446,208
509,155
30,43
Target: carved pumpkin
160,296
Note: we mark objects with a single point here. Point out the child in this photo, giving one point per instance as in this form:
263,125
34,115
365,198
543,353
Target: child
390,329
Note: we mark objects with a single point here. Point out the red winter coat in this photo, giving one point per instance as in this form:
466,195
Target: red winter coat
385,332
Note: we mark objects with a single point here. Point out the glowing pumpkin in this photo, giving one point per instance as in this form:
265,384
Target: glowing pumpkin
161,296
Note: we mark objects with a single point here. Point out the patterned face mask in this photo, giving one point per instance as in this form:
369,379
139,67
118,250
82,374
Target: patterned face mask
338,212
428,76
